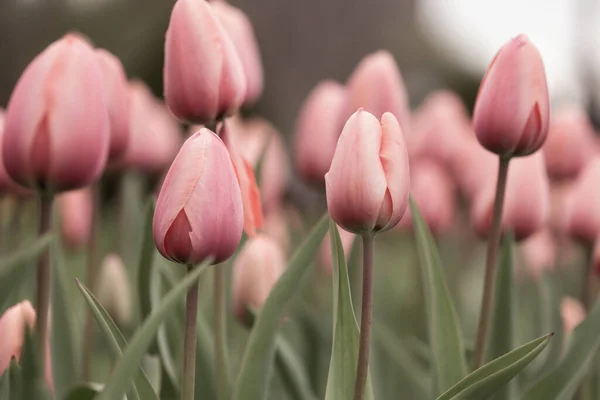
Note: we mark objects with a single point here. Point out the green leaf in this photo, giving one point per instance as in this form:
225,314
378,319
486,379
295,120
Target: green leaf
10,382
33,383
86,391
293,373
116,341
552,322
15,268
487,380
346,335
445,337
62,328
501,337
561,383
128,365
144,271
256,368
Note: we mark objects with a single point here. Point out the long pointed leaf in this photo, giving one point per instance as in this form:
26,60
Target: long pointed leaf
291,368
144,270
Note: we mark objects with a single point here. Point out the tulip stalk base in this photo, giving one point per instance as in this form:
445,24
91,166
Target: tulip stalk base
189,343
43,279
491,263
220,333
366,319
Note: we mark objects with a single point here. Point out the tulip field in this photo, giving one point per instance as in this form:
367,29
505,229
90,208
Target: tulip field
152,247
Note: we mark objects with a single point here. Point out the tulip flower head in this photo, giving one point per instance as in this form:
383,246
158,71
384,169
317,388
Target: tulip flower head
368,182
203,76
12,332
56,134
572,313
114,292
199,212
539,253
512,109
583,212
7,185
76,210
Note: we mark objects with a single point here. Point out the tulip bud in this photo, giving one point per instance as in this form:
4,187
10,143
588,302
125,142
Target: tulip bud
56,135
76,209
277,227
539,253
317,131
117,100
561,196
12,332
376,85
570,144
473,167
253,218
256,270
527,202
325,256
368,182
203,75
572,313
583,213
199,212
7,185
114,292
512,109
433,190
155,136
240,30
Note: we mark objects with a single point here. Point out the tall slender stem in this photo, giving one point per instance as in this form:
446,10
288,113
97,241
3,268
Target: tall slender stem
220,334
43,279
189,343
491,263
366,318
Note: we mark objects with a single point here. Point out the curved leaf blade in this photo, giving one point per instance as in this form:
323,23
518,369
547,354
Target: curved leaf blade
292,371
144,269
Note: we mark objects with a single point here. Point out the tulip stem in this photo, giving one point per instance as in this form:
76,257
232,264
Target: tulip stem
43,279
366,318
220,334
189,343
491,263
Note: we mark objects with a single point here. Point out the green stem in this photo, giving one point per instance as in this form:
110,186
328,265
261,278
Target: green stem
220,334
43,279
491,263
189,343
366,318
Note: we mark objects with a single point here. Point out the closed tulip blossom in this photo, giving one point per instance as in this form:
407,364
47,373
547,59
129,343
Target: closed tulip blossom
117,97
238,26
199,212
7,184
512,109
368,182
12,332
539,253
114,289
256,270
318,128
204,78
583,212
527,202
572,313
473,167
56,134
76,209
377,86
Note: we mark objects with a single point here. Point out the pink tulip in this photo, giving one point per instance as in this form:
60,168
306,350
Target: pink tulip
572,313
12,332
7,185
238,26
512,110
155,136
377,86
76,210
368,182
277,227
570,143
199,212
325,256
561,196
203,75
434,192
114,289
317,130
527,202
539,253
115,87
255,271
57,135
473,167
253,217
583,212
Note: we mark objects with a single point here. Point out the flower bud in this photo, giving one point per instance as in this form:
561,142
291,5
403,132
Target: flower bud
253,217
527,201
539,253
199,212
203,75
7,185
325,256
561,196
114,290
512,109
117,100
256,270
376,85
368,182
238,26
473,167
57,135
318,128
570,143
572,313
76,210
12,332
583,212
277,227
